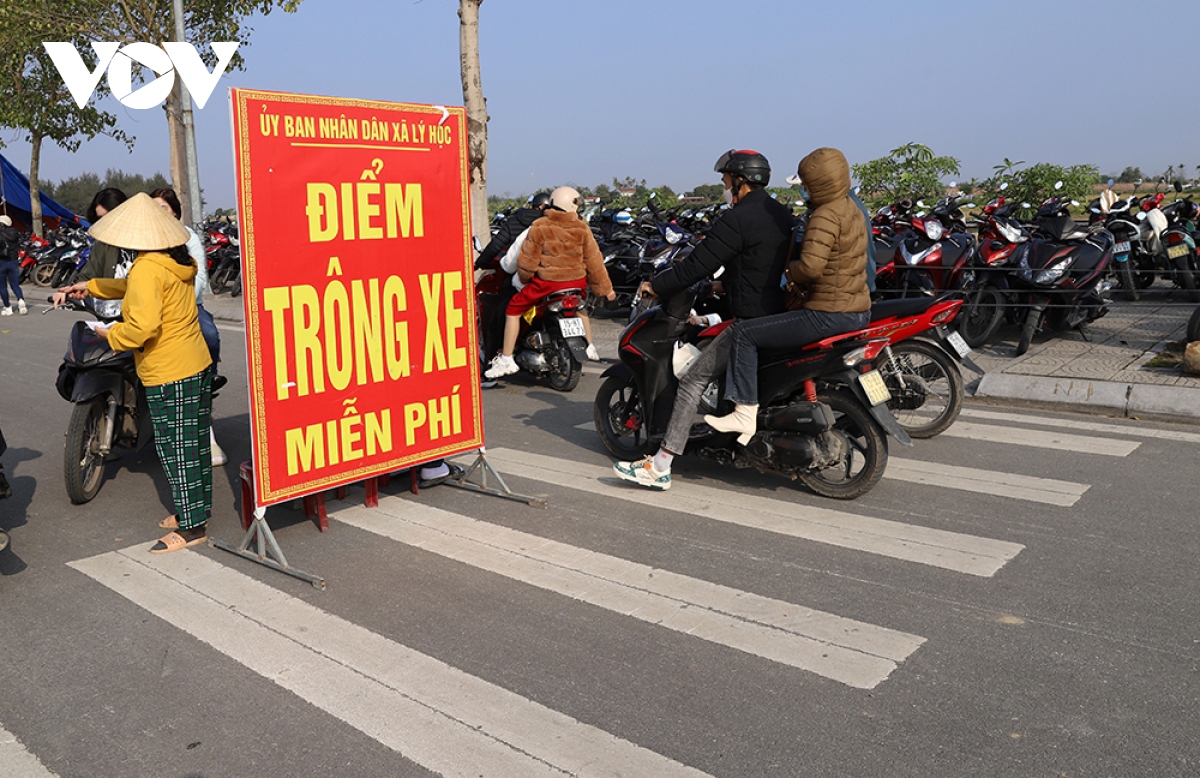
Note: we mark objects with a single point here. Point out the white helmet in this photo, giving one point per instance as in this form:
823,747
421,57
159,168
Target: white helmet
566,199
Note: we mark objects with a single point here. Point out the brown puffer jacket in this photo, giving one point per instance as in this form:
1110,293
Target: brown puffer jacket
833,256
560,247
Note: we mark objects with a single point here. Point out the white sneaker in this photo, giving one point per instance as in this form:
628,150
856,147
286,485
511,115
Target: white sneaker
218,456
501,366
642,473
592,353
21,309
6,311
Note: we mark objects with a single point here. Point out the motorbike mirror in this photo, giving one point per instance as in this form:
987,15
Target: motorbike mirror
1003,186
970,205
1026,206
1075,203
921,204
1058,185
953,184
1110,183
1178,186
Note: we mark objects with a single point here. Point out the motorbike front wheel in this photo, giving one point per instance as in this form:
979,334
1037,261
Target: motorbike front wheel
981,316
1187,281
1029,328
83,464
926,386
866,457
619,420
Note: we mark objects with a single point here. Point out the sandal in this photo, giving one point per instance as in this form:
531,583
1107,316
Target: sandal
171,522
173,541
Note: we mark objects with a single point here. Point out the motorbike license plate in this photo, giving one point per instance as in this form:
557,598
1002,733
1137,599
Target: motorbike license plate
1121,248
1178,250
877,391
572,328
958,344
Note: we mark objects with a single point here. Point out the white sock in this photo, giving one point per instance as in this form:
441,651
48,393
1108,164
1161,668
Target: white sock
662,460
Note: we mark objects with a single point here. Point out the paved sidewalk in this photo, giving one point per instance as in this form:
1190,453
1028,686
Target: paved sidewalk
1104,374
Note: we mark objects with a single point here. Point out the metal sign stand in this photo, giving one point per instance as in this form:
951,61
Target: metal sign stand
268,547
483,467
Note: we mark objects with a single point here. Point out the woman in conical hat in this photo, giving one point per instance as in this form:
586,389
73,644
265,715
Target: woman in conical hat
162,329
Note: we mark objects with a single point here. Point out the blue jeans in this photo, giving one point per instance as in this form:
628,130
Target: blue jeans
791,329
10,275
212,337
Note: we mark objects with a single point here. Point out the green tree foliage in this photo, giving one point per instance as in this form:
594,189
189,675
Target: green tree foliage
34,99
1129,175
76,192
1035,183
912,170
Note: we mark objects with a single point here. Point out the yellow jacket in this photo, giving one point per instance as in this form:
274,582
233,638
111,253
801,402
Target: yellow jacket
161,325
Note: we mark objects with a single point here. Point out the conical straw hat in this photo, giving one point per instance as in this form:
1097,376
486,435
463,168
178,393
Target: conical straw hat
140,224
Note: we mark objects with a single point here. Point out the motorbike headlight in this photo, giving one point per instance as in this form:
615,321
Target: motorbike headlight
934,229
1052,273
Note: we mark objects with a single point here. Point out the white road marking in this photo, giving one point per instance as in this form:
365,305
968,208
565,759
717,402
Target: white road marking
17,762
435,715
1077,424
852,652
1054,440
949,550
1018,487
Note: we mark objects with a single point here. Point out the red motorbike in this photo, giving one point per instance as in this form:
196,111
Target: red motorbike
929,253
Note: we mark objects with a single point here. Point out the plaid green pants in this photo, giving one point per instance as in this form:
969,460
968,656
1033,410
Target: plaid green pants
182,414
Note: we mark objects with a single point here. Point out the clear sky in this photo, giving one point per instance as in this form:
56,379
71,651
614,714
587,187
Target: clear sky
580,92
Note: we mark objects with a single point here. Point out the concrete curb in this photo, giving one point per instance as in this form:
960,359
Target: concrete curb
1173,403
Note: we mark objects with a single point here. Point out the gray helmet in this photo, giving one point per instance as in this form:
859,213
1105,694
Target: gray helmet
539,200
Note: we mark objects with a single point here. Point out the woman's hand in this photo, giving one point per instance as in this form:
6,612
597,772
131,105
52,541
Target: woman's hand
76,291
101,331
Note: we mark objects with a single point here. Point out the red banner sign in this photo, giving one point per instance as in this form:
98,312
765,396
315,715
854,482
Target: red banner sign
360,317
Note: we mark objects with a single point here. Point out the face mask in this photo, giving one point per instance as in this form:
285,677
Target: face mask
727,196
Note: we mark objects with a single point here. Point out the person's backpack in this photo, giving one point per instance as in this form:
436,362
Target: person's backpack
7,248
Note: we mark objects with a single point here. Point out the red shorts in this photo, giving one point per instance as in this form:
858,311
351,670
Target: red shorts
535,290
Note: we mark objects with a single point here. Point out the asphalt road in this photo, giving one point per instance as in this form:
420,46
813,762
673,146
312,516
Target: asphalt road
1017,598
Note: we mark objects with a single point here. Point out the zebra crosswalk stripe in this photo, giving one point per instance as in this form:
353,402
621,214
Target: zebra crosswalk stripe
1012,485
17,761
1078,424
949,550
445,720
1061,441
852,652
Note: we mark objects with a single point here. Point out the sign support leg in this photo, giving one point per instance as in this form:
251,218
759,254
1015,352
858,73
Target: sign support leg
482,467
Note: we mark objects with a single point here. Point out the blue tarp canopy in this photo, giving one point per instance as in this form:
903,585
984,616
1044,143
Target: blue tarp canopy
14,201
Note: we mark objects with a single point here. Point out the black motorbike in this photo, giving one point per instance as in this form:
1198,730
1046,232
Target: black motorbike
110,411
823,418
554,343
1058,279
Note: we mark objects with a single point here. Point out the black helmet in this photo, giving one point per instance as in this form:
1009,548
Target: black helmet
746,164
539,200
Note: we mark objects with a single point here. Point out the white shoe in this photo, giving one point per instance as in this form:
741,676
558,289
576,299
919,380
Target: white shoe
592,353
642,473
502,365
218,456
744,420
21,309
6,311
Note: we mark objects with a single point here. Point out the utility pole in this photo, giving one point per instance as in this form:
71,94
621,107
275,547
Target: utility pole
189,131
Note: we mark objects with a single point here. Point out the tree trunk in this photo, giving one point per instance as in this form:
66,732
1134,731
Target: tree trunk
35,195
477,118
179,182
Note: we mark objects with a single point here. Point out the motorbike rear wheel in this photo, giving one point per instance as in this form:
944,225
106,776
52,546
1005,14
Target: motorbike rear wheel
926,386
618,416
565,372
867,456
1125,276
981,315
43,273
83,464
1185,278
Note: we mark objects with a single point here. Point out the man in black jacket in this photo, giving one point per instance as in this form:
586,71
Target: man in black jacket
750,241
491,305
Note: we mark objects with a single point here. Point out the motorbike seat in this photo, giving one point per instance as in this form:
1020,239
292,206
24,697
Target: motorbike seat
904,306
562,294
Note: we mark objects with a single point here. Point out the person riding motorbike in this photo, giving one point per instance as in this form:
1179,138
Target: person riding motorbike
559,252
751,242
491,306
831,271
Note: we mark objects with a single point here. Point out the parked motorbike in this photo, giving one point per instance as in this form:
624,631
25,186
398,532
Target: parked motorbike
1059,277
1193,327
1180,245
823,416
1000,234
1117,217
929,256
110,411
